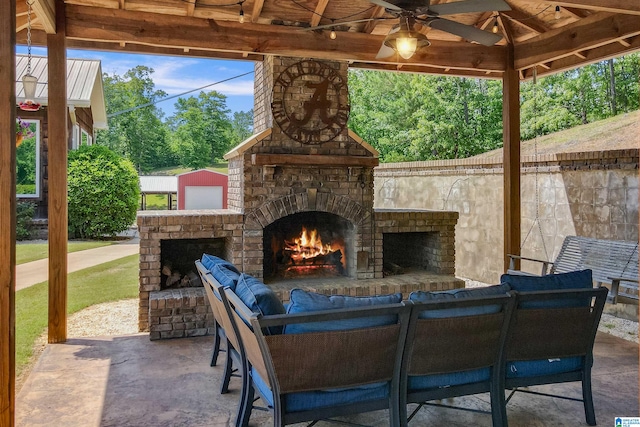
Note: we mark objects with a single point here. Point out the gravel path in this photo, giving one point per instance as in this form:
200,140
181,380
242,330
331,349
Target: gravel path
121,318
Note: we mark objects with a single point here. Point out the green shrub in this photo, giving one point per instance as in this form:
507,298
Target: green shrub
24,215
103,192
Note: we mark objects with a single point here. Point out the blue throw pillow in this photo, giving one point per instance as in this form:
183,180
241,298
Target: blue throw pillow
563,281
302,301
226,274
209,261
421,296
574,280
259,298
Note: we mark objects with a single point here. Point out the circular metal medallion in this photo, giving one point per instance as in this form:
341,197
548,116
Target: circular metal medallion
310,102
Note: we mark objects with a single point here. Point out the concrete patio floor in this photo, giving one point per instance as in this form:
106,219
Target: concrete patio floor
131,381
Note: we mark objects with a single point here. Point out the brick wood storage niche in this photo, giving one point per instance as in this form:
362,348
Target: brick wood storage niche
300,212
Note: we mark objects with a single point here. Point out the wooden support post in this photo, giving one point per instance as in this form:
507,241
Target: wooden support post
7,212
58,233
511,140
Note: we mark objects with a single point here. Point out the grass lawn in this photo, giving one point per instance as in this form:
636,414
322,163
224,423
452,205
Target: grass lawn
27,252
112,281
157,202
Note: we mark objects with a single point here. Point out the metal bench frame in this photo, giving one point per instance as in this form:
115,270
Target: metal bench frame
613,262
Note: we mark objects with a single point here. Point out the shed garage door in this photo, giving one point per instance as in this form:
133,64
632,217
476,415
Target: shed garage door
202,197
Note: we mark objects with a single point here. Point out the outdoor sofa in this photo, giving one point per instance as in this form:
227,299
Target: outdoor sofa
326,356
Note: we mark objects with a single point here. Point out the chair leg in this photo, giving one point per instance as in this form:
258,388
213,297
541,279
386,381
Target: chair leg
228,370
246,401
498,406
587,397
395,413
216,344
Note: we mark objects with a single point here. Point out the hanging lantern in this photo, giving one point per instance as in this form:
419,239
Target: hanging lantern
29,81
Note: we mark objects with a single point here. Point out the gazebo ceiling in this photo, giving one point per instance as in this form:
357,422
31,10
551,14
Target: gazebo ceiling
585,31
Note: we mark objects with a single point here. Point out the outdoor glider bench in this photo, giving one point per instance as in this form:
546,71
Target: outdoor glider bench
327,356
614,263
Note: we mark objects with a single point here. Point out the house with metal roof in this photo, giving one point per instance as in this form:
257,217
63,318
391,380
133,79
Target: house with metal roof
87,113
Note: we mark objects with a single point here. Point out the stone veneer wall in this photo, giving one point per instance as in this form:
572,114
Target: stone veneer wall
593,194
155,226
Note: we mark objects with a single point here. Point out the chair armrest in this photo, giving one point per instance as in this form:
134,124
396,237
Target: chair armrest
545,264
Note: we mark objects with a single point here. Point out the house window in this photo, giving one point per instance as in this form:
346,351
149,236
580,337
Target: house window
86,139
75,137
28,163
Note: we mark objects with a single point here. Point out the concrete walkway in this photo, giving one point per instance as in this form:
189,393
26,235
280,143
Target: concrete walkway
131,381
30,273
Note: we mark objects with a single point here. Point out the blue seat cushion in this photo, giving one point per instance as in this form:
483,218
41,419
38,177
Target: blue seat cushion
421,296
259,298
302,301
532,368
563,281
308,400
427,382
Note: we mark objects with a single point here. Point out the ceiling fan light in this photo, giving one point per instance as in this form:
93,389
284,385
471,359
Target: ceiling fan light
406,43
406,46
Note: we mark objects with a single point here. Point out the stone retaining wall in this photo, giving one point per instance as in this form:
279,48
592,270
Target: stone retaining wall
593,194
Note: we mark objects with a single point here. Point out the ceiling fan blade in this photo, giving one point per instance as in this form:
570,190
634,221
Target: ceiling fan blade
386,5
385,52
468,6
337,24
468,32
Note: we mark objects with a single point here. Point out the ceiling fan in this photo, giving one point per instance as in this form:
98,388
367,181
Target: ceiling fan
404,40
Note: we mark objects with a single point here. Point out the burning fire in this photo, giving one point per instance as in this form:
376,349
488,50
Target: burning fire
308,245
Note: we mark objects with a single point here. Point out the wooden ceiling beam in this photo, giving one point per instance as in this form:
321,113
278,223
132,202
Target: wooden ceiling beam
506,29
415,68
601,53
21,23
191,6
525,20
257,10
594,31
317,14
378,12
114,25
630,7
577,13
45,11
485,20
38,38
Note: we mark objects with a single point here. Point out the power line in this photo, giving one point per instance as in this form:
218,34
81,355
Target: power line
148,104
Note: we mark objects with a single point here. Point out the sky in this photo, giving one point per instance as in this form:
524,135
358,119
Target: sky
175,75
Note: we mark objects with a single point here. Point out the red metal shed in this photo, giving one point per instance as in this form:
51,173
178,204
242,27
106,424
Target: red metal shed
202,189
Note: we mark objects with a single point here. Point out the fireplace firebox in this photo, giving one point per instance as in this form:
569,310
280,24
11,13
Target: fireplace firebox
308,244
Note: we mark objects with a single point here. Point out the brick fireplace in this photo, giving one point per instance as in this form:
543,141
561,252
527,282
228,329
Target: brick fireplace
305,175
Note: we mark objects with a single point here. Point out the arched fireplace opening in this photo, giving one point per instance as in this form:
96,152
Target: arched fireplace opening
309,244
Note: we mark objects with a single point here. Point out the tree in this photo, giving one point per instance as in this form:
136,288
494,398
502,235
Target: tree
201,129
103,192
136,130
241,126
418,117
